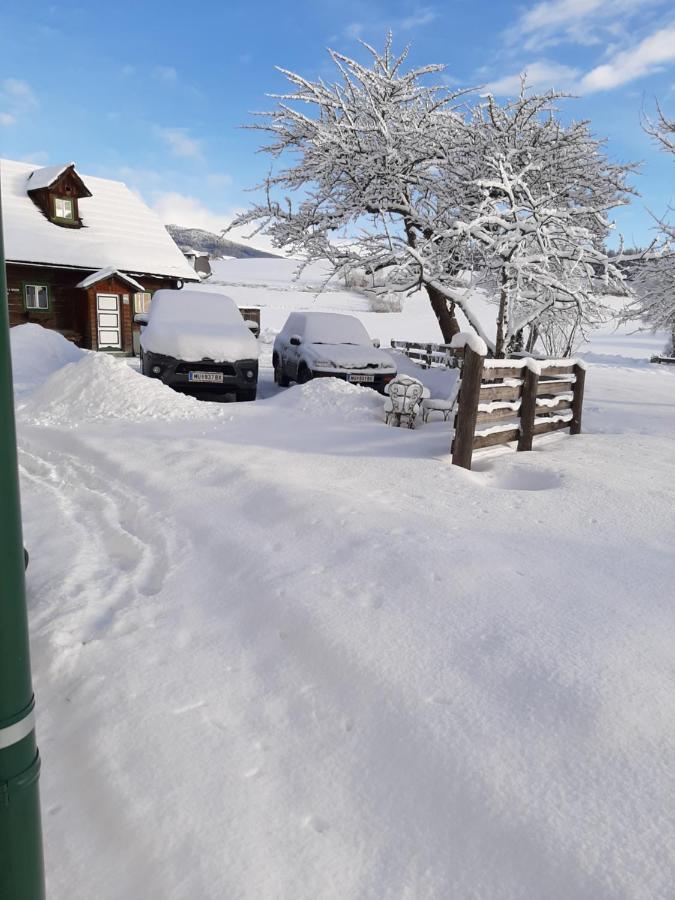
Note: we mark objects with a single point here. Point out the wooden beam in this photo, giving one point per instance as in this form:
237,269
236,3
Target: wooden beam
508,392
497,437
578,400
552,388
497,415
528,409
552,410
542,426
467,408
558,370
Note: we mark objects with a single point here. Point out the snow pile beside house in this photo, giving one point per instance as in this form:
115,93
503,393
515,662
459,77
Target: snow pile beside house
100,388
332,398
37,353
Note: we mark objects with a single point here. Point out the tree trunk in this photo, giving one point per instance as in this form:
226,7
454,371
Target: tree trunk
532,340
445,313
502,318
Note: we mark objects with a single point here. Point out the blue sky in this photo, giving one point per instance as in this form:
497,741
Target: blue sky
153,93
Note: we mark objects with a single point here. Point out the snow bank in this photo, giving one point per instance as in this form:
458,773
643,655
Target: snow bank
37,353
101,388
332,398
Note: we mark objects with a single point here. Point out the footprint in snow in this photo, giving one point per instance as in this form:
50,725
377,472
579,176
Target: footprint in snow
319,825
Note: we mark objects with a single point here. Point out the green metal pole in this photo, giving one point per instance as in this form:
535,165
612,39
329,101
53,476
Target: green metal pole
21,861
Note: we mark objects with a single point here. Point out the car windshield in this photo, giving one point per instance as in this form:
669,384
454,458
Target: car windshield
333,328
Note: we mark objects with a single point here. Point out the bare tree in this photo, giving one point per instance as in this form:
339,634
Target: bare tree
540,222
365,158
652,272
400,176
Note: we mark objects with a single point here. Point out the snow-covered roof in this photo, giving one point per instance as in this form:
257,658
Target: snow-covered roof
119,231
47,175
108,272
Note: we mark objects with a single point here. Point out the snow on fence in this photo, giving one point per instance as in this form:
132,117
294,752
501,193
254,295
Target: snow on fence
427,355
503,400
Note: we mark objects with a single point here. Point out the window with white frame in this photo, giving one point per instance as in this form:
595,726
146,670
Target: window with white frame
64,208
36,296
142,302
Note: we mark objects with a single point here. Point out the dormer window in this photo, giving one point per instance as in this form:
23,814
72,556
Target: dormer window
57,190
64,208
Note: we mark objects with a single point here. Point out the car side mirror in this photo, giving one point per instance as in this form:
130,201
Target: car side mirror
295,340
141,318
376,343
252,326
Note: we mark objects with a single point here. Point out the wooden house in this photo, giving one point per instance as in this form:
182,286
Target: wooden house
83,254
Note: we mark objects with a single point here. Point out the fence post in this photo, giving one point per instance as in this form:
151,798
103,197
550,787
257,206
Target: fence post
467,408
528,408
577,398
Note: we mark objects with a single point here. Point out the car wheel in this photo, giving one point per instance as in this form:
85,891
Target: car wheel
304,374
280,378
248,394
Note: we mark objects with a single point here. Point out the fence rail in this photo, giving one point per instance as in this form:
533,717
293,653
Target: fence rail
427,355
503,400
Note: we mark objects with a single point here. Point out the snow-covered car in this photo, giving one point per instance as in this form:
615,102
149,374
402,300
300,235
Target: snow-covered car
198,343
320,344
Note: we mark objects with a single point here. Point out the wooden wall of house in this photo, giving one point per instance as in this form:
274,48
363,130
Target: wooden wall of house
67,304
72,310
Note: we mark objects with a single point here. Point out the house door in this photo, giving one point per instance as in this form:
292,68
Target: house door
109,322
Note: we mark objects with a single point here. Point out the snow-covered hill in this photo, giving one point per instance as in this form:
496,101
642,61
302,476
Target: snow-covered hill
213,244
283,651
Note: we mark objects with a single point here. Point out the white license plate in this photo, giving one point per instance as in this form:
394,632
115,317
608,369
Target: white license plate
363,379
210,377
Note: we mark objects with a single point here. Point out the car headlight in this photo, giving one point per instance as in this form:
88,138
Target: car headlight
250,373
324,364
156,370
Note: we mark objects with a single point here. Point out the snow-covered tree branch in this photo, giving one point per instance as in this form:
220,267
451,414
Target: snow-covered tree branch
653,272
397,177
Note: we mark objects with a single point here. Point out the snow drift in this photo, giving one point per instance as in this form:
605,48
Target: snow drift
332,398
37,353
100,388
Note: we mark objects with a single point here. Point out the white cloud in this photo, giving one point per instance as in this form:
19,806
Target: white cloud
541,75
180,143
644,58
577,21
178,209
417,18
165,73
16,99
19,91
424,15
219,179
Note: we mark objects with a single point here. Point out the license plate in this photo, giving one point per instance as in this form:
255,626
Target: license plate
363,379
210,377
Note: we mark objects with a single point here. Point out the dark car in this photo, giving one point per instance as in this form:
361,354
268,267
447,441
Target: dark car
198,343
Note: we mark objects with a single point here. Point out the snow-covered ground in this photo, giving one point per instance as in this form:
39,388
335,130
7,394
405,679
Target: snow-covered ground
283,651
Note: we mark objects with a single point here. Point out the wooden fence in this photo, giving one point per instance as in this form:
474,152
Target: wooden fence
427,355
503,400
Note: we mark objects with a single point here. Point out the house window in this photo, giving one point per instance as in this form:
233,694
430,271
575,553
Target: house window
64,208
36,296
142,302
